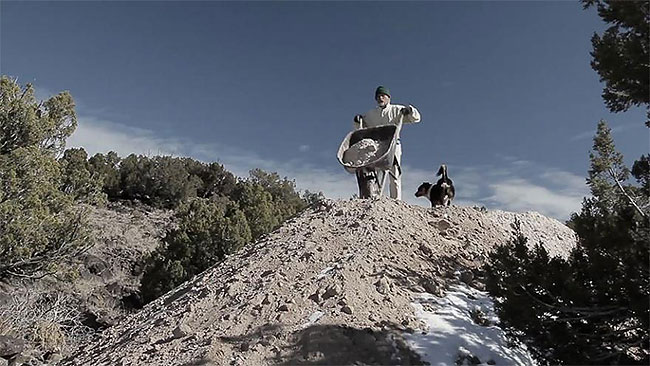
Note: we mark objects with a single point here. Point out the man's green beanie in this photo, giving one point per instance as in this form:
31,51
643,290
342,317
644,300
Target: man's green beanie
382,90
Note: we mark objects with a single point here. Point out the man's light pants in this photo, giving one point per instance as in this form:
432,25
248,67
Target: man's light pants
394,175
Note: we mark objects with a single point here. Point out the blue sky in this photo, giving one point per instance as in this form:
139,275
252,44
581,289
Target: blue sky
507,96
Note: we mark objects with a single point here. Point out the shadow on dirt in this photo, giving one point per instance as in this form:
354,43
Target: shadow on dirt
335,345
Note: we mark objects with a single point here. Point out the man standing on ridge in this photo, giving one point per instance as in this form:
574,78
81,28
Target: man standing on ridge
389,114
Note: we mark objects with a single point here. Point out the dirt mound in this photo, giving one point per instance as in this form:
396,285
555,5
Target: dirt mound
331,286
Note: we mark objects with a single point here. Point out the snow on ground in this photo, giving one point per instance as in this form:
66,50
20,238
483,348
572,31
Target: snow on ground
454,336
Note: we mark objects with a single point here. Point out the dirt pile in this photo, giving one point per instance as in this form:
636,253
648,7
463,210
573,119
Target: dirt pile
331,286
365,151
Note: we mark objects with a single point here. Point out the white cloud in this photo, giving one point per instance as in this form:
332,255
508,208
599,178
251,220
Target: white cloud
616,129
511,184
303,148
583,135
522,195
568,183
96,135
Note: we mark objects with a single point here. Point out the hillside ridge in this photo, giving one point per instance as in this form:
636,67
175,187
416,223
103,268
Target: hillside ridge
333,285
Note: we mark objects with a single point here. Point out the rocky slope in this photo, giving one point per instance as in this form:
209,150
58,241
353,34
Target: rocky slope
331,286
111,270
49,317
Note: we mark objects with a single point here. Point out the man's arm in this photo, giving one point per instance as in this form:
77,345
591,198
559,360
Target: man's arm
411,114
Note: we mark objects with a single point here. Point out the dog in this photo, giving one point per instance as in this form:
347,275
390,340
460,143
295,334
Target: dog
442,193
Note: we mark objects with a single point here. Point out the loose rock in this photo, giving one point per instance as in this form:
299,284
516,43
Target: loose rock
383,287
181,331
331,291
467,277
10,346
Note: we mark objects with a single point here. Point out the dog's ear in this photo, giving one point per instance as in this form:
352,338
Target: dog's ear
422,189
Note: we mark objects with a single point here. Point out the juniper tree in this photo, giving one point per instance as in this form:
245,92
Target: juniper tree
591,308
106,167
78,179
39,225
258,206
206,233
25,122
215,180
282,190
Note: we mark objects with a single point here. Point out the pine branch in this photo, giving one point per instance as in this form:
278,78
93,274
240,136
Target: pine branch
588,311
620,186
587,314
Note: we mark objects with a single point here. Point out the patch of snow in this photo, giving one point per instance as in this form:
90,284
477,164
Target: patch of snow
452,332
313,318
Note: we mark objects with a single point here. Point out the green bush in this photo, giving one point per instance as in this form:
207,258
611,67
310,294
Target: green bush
106,167
207,231
25,123
283,192
168,183
39,225
78,180
215,180
165,181
257,205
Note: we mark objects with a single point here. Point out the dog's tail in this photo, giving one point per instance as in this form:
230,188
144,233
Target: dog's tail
443,171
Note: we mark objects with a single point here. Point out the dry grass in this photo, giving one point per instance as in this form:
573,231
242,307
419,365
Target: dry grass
49,336
51,321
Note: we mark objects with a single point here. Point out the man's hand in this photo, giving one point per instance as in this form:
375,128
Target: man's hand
358,118
407,110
